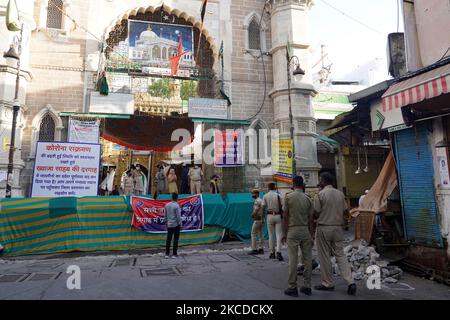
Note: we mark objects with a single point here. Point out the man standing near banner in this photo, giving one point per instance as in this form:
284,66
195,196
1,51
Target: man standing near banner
173,222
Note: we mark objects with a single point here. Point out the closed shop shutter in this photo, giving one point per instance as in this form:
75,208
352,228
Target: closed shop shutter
415,170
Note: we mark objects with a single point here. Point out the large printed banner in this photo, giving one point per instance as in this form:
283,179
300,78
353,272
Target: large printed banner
152,44
282,159
229,148
149,215
66,169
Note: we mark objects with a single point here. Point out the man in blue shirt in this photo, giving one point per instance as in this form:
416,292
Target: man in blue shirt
173,223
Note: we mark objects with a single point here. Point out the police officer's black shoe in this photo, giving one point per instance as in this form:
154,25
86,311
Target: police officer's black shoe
261,251
306,291
279,256
253,252
291,292
272,255
352,289
323,288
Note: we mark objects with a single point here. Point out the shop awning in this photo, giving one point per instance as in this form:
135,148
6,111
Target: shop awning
146,132
204,120
430,84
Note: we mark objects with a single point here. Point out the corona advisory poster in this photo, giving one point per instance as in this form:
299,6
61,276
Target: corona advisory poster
282,160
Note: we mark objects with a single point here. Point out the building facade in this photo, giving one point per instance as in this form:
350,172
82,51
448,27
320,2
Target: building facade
414,109
67,44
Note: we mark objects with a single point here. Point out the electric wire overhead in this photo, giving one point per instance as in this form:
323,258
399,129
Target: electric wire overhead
354,19
263,65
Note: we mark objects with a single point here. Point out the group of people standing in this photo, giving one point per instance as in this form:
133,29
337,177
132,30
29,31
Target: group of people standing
302,222
166,180
134,181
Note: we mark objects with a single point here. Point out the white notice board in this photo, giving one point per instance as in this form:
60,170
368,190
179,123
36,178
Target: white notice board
66,169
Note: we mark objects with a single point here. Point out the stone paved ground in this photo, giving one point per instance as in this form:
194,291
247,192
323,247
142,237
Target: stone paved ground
215,272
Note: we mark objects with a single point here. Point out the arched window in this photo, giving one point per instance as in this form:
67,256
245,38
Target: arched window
47,128
156,53
259,143
164,53
254,35
47,125
55,14
255,32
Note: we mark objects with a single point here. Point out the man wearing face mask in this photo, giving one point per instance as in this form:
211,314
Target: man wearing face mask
258,222
195,177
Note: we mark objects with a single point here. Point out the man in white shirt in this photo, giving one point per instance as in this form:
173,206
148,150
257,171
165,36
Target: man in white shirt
362,197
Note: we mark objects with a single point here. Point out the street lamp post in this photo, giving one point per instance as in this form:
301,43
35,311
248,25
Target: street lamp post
295,62
12,54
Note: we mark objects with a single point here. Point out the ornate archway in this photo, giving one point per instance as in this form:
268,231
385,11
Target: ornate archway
204,55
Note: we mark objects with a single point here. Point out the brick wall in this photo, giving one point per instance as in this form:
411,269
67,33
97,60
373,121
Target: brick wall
57,66
248,80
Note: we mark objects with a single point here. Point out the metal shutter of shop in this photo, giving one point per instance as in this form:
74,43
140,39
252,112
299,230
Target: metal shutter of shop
415,170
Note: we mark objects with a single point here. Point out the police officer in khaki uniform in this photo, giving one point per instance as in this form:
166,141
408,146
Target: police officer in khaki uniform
330,207
298,210
273,203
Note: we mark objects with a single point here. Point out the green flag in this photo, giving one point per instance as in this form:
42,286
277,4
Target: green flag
221,50
12,16
288,50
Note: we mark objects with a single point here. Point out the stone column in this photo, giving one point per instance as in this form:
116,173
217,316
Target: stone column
290,23
8,72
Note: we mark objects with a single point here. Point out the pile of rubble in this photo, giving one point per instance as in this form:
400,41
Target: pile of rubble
361,256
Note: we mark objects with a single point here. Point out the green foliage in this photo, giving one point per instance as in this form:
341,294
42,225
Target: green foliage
160,88
188,89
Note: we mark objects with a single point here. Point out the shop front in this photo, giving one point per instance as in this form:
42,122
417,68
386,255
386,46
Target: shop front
416,109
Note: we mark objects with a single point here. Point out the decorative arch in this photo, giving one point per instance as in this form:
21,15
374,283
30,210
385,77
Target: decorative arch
36,125
182,16
205,61
255,17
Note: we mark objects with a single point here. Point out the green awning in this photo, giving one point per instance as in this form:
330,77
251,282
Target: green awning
95,115
243,122
328,140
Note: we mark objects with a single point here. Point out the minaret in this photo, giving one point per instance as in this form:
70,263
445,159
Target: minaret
289,22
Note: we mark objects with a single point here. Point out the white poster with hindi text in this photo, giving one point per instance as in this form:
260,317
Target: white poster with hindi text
84,131
66,169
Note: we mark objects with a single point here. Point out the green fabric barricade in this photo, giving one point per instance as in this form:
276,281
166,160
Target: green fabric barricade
44,225
33,226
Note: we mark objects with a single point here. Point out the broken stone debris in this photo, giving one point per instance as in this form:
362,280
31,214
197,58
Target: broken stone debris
361,256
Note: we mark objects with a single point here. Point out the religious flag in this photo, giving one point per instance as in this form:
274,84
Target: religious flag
175,61
288,50
203,11
12,16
